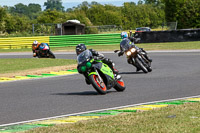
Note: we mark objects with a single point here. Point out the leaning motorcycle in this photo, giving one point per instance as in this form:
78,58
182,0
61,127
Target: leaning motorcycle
137,57
97,73
44,51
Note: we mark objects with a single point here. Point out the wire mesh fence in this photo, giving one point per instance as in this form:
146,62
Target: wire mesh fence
169,25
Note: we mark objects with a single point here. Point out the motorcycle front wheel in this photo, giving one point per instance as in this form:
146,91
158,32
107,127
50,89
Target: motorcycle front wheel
120,86
98,84
51,55
144,69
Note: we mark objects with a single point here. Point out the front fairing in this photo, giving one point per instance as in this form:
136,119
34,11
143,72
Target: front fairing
125,45
104,68
105,72
44,46
84,56
128,48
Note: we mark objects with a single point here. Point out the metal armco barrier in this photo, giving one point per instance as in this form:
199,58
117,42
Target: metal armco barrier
20,42
169,36
89,39
60,41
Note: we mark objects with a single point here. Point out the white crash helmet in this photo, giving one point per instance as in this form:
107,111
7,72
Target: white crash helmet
35,42
124,35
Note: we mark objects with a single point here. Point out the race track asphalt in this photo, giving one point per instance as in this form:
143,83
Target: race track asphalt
174,75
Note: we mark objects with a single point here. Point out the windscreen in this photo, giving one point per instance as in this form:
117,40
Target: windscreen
84,56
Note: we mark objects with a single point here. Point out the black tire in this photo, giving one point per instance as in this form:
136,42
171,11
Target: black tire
93,80
51,55
120,86
149,69
39,56
148,64
144,69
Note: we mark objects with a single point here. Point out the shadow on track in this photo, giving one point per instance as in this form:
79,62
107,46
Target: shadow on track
131,73
84,93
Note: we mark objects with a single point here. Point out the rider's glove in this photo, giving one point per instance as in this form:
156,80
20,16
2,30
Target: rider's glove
98,58
79,69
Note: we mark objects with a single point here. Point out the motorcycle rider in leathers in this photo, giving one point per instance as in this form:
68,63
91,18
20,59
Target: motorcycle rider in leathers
81,47
130,40
36,47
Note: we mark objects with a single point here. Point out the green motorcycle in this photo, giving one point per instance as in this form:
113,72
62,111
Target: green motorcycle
97,73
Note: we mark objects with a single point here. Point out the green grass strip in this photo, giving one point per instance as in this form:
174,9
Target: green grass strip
124,110
48,74
20,128
103,113
171,103
16,65
35,76
74,70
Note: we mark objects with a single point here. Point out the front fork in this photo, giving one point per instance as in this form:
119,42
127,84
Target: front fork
146,61
99,80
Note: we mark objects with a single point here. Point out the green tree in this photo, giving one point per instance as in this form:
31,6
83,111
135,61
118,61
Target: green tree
155,2
54,4
103,15
17,23
34,8
50,16
141,15
140,2
83,6
2,19
185,12
20,8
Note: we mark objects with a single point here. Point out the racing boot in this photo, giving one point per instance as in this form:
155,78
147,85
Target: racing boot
145,54
34,54
147,57
117,76
115,71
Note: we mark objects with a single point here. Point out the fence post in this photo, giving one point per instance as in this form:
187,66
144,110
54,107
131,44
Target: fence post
176,25
33,28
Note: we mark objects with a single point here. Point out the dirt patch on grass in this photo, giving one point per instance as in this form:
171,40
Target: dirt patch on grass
40,71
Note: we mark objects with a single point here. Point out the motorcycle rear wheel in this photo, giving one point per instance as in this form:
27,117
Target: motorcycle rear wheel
99,86
120,86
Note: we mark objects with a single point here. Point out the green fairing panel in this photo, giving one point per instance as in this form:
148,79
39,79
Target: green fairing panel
92,73
106,70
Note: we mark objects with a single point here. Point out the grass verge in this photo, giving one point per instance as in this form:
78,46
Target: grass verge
146,46
172,119
17,65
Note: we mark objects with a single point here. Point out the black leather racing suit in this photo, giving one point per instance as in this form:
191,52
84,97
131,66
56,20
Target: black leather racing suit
105,60
130,41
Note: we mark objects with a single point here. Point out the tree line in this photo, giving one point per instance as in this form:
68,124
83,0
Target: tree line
145,13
